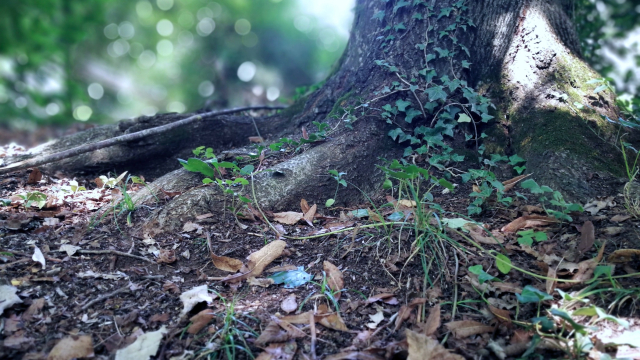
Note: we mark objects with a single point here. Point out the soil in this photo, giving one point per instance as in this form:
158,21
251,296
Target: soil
121,284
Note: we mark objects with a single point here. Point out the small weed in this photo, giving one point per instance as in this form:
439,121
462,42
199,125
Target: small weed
338,177
229,337
556,200
34,198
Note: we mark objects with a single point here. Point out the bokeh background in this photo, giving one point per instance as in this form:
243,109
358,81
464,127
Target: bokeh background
69,62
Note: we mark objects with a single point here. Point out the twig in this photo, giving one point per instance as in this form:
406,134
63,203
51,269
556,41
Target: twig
78,150
106,296
414,95
113,252
312,328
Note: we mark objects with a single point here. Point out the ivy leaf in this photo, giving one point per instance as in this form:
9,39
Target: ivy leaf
435,93
445,12
503,263
399,27
400,5
402,104
420,46
417,16
532,295
197,165
486,117
442,52
379,15
429,57
395,133
411,113
515,159
465,49
465,64
464,118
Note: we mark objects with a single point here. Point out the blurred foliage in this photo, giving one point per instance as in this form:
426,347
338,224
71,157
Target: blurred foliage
104,60
613,25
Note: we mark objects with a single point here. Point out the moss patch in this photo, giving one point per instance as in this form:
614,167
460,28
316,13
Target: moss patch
340,103
537,131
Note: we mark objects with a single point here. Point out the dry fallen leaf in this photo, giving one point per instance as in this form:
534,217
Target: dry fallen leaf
289,303
466,328
263,257
194,296
379,297
287,217
279,351
33,309
509,184
258,261
500,314
620,218
375,319
432,324
623,256
586,268
71,347
528,221
334,278
200,320
225,263
405,311
144,347
330,320
552,278
407,203
310,214
39,257
262,282
422,347
304,206
477,233
278,331
34,177
587,237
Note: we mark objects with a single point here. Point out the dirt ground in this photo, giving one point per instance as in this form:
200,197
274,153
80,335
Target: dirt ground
77,282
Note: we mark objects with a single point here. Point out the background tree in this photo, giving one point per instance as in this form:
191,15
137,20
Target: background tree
108,60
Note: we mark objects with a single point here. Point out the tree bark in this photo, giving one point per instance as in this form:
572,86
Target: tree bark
524,56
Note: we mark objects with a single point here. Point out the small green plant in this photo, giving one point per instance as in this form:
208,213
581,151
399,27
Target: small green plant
126,204
215,172
556,200
230,336
34,198
526,237
73,187
486,183
110,182
340,181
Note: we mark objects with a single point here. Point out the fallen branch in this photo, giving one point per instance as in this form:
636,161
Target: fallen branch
111,294
82,149
112,252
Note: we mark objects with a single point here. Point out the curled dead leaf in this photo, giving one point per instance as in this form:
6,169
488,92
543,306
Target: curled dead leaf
466,328
529,221
422,347
288,217
335,280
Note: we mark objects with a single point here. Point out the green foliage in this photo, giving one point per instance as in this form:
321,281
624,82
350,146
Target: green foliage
556,200
34,198
526,237
337,176
51,51
215,171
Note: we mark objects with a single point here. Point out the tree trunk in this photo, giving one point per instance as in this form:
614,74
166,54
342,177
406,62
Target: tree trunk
423,58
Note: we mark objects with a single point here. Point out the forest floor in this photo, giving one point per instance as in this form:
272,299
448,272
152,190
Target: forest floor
353,283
